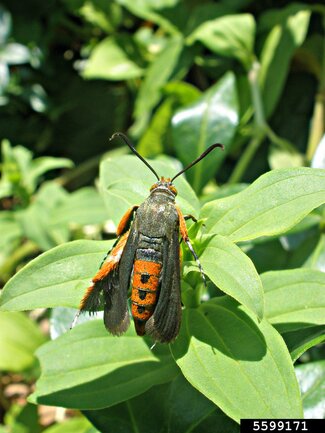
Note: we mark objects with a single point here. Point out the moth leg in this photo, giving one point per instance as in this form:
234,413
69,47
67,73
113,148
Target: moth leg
190,217
125,221
93,298
185,238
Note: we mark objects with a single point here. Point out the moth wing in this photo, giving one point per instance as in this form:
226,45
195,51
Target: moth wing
165,322
116,313
103,293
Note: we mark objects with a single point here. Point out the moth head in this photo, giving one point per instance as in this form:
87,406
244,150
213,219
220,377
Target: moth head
164,184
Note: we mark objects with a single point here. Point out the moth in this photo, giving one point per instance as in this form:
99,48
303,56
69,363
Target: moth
145,256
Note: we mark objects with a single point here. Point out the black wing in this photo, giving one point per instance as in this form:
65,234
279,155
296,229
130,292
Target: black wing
165,322
116,314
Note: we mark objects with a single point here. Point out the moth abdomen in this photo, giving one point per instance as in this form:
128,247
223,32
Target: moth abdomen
145,284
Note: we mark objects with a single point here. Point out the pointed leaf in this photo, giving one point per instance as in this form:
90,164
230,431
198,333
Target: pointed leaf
233,272
273,204
114,58
229,36
58,277
241,365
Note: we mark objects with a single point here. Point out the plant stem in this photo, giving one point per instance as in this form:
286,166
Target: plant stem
318,119
246,158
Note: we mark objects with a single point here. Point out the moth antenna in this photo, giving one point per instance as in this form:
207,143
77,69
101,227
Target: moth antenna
204,154
129,143
153,345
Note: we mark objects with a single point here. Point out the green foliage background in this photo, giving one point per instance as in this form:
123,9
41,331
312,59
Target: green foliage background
177,76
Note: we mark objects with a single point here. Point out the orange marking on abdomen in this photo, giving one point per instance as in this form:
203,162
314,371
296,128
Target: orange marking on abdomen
144,289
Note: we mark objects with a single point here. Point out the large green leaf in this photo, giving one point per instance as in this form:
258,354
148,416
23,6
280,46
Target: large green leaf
230,36
294,298
274,203
100,370
114,58
158,73
212,118
242,365
311,378
125,182
58,277
173,407
289,28
19,338
233,272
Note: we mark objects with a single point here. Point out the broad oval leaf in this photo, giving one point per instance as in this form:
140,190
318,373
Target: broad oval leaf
58,277
230,36
271,205
19,338
233,272
100,370
212,118
241,365
113,59
294,298
311,378
125,182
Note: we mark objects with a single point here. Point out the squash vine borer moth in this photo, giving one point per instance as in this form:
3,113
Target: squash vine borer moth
147,255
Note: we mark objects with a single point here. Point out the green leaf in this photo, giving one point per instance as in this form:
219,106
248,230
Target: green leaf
212,118
288,32
74,425
156,137
35,219
19,338
273,204
5,24
125,182
299,341
294,298
114,58
58,277
169,14
173,407
9,228
229,36
311,378
100,370
233,272
40,166
82,207
317,258
158,73
241,365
